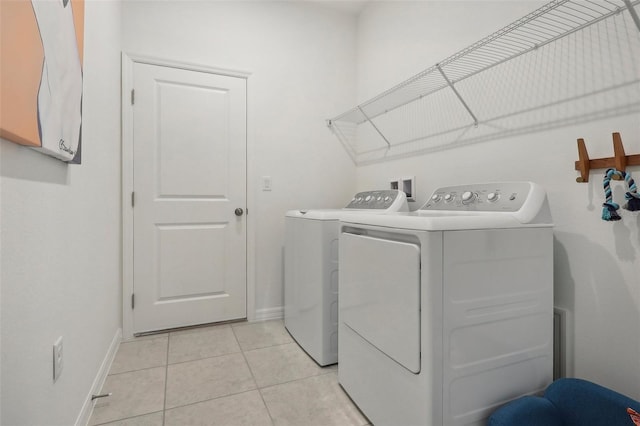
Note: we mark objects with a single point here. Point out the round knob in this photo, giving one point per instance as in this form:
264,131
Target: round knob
387,198
435,198
379,199
468,197
358,199
239,212
493,196
448,198
367,198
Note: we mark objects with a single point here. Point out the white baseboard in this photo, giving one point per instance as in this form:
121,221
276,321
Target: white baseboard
87,407
269,314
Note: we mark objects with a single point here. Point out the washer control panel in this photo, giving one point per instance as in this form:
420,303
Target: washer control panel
381,200
489,197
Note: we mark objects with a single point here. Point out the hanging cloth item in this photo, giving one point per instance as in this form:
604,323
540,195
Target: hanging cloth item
609,208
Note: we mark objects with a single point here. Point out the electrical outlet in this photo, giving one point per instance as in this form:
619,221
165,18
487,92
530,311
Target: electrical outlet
57,359
409,187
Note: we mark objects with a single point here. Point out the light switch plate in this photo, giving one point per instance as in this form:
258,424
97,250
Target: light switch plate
266,183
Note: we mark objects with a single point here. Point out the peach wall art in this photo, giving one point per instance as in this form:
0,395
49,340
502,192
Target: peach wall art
41,45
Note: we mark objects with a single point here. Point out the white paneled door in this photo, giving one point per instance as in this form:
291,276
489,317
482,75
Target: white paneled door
189,180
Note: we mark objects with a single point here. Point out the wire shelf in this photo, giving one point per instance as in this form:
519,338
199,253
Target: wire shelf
590,46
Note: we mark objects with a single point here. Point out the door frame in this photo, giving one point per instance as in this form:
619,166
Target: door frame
128,61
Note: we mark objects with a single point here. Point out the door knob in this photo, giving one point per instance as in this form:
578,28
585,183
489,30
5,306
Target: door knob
239,212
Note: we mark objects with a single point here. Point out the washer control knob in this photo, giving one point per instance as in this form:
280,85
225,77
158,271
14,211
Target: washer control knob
367,198
435,198
448,198
493,196
379,199
387,198
468,197
358,199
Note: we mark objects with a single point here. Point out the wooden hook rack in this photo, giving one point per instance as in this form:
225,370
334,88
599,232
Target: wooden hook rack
619,161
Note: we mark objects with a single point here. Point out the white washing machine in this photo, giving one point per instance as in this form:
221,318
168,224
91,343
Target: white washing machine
311,270
447,313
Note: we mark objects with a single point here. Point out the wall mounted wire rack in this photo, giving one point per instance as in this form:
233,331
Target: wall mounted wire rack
567,62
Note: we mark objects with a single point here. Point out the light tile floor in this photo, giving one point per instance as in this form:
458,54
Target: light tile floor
232,374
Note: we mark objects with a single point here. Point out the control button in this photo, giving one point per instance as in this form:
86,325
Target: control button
468,197
448,198
379,198
368,198
387,198
513,196
358,199
435,198
493,196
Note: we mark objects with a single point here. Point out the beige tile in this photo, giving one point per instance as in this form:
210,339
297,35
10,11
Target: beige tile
208,378
261,334
236,410
154,419
314,401
134,393
136,355
280,364
201,343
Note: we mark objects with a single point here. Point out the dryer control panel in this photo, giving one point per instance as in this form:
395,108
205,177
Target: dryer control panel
489,197
379,200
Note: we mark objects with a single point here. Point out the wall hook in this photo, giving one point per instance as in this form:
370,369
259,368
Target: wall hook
619,161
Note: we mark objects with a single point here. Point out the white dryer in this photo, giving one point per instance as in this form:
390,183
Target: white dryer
446,313
311,270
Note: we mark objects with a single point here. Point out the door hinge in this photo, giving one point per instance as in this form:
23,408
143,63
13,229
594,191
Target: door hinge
133,199
133,300
133,96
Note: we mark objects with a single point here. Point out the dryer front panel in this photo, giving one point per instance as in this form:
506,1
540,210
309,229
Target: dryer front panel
380,295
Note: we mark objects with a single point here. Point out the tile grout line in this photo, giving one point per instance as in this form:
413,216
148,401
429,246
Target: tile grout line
136,370
166,382
203,358
127,418
270,346
295,380
209,399
253,377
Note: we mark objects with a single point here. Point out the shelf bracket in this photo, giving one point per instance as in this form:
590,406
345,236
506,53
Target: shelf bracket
633,13
475,120
620,160
374,126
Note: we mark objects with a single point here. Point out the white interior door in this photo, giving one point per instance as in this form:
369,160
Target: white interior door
189,178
